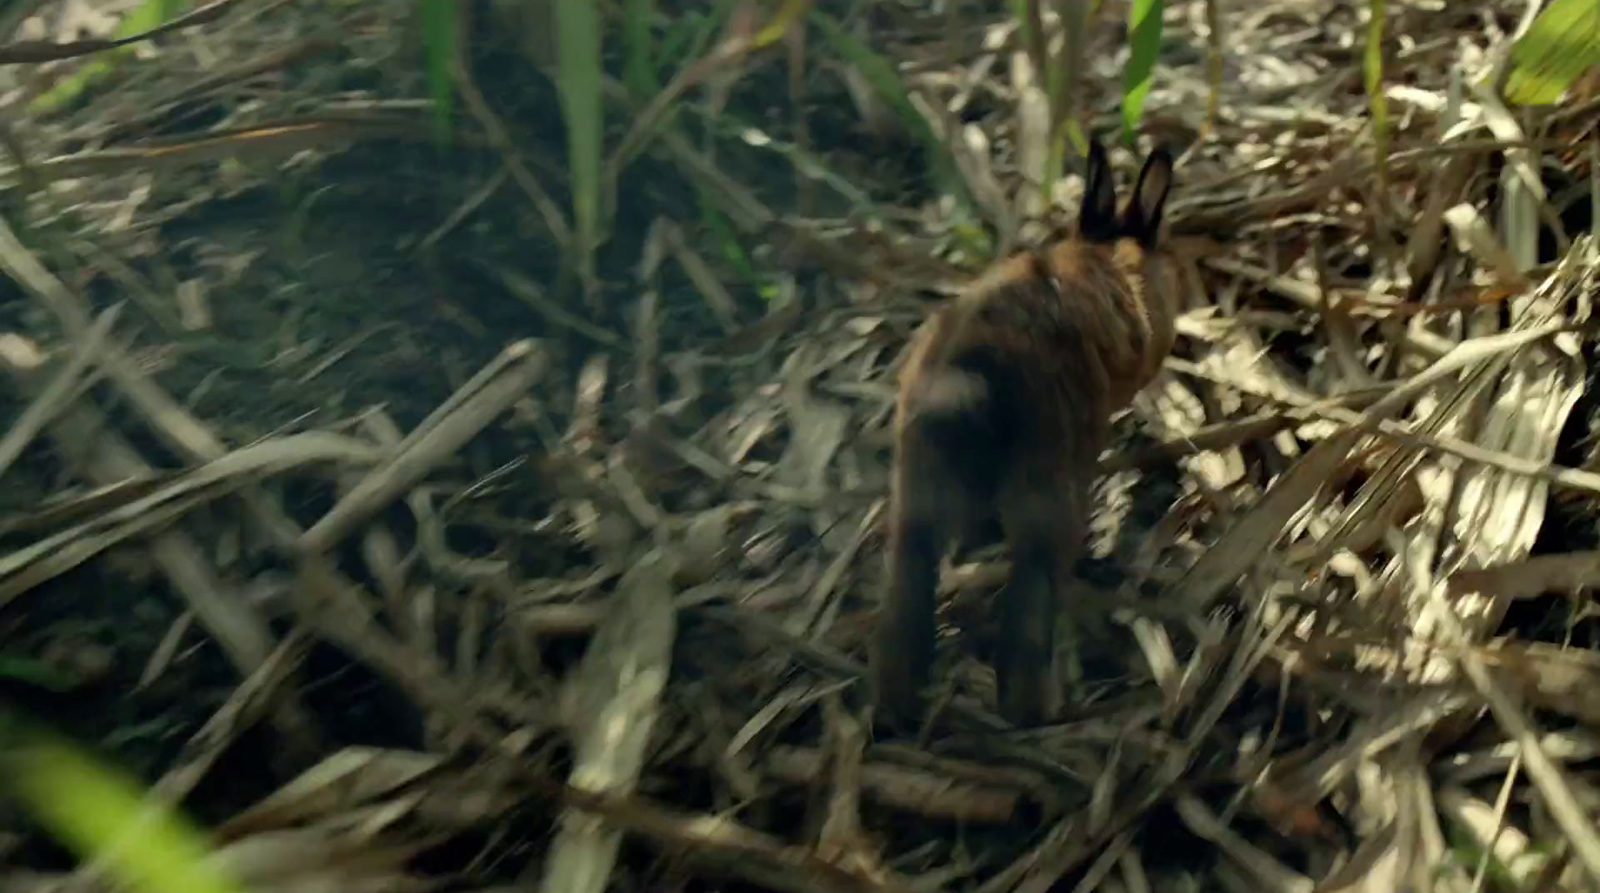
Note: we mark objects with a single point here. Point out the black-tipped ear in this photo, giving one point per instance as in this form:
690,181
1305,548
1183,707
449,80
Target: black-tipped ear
1142,219
1097,219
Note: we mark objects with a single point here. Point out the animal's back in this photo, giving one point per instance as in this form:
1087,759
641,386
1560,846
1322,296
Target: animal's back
1054,341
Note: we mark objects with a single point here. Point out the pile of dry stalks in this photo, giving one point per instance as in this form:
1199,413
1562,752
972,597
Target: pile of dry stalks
1330,657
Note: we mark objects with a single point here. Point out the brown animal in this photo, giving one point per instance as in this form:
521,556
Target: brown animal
1004,406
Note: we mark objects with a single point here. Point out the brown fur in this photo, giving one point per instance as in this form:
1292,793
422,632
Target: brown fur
1004,406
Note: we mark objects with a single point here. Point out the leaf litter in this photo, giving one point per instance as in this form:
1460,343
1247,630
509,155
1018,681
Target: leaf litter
612,563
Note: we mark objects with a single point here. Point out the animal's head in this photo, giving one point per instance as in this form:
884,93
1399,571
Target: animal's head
1100,220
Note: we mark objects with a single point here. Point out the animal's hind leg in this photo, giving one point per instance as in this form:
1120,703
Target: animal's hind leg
1044,526
1024,674
922,505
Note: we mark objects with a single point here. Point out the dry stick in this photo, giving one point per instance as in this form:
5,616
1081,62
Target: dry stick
167,418
1244,543
334,607
529,292
57,395
273,60
44,560
714,843
465,414
244,708
186,436
1565,572
514,353
323,586
1342,409
1216,436
928,795
500,140
1546,776
47,51
145,512
83,432
333,604
381,551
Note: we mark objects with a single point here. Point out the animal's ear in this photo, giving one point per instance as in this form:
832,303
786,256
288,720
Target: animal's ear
1097,219
1142,219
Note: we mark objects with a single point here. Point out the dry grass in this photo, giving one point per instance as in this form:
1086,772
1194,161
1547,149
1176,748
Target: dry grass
1323,652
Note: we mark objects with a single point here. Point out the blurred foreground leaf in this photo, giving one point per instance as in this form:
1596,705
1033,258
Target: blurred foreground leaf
102,815
1562,43
144,17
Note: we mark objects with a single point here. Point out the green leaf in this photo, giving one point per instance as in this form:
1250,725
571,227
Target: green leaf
790,12
638,66
439,46
1372,70
143,17
1562,43
578,59
99,812
1064,86
682,32
725,238
33,672
148,15
1144,43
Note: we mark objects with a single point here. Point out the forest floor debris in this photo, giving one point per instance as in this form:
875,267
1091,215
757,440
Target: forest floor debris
415,574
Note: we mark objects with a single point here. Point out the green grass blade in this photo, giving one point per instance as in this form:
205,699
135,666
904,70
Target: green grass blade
681,39
789,13
1065,76
1144,44
726,239
1562,43
578,60
1214,67
704,32
683,43
684,46
880,74
101,814
439,45
1372,69
34,672
638,65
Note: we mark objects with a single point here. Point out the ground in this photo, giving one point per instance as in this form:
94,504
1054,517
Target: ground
340,509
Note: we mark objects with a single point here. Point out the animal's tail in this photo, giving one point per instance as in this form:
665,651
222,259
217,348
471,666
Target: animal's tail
967,409
953,392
